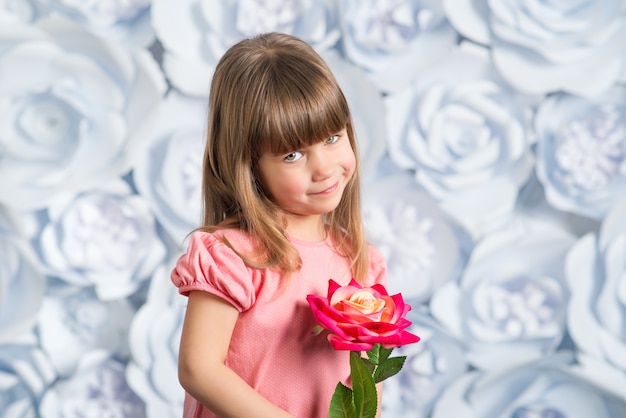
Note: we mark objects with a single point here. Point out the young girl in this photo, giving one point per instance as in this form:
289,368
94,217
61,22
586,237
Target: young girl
281,217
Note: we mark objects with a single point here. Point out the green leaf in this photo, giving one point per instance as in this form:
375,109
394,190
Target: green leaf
363,388
388,368
341,404
378,354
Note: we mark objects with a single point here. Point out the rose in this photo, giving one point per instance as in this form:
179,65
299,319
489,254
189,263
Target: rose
363,318
547,46
394,41
359,317
581,152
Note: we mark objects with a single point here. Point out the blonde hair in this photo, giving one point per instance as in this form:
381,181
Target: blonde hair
274,93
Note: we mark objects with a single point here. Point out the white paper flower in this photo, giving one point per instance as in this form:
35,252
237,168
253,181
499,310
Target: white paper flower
581,153
125,21
596,274
97,389
546,388
169,172
395,40
431,366
542,47
510,304
22,284
196,33
422,247
21,11
154,338
367,108
105,239
73,109
73,322
25,374
464,134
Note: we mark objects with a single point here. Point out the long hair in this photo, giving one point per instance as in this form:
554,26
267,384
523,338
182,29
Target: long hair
274,93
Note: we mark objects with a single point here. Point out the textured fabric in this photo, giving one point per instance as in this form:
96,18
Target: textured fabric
272,346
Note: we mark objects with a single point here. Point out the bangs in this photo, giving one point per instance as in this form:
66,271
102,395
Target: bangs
301,111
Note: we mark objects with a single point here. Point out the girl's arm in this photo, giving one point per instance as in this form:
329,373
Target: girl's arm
207,329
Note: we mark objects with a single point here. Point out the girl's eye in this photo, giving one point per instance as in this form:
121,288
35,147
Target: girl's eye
331,139
292,156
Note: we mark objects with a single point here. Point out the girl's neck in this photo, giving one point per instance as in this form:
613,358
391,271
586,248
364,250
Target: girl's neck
306,229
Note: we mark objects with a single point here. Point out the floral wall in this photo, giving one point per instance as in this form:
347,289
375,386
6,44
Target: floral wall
493,142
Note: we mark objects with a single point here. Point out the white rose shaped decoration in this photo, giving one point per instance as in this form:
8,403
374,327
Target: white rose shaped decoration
97,389
26,374
424,249
169,172
154,339
509,306
124,21
395,40
581,151
73,110
596,274
464,134
545,388
73,321
542,47
430,367
195,33
22,284
106,239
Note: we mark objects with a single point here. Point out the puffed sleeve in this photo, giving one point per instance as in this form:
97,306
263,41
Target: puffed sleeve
210,265
378,268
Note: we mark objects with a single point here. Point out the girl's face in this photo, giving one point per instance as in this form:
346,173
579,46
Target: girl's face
309,182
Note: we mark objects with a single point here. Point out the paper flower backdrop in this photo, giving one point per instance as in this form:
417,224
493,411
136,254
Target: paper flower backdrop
493,142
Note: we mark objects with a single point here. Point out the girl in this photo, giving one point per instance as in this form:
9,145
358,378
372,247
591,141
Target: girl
281,217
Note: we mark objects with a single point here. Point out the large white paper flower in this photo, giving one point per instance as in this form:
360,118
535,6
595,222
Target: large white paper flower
464,134
581,152
25,374
510,304
154,339
106,239
73,109
431,366
545,388
542,47
596,273
195,33
97,389
423,248
73,322
169,172
395,40
22,284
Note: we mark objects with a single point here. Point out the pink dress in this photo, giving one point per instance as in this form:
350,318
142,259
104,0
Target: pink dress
272,346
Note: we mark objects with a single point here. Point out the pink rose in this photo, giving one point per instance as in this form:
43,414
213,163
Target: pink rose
359,317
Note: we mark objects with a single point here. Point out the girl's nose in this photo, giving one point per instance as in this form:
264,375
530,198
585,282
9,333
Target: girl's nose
321,166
